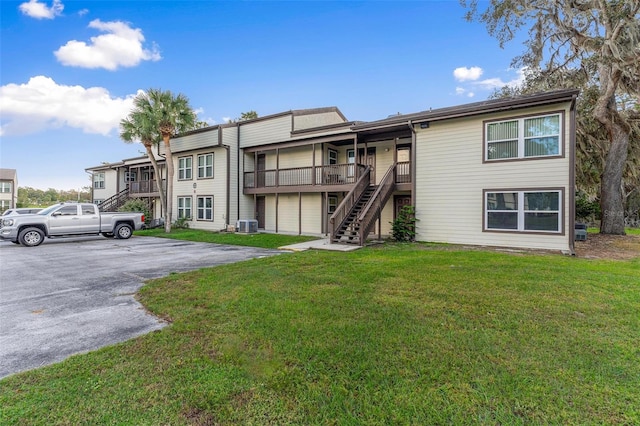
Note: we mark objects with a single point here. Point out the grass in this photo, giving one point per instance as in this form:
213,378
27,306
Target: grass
628,231
391,334
253,240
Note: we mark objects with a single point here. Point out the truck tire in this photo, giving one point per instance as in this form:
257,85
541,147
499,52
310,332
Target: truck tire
123,231
31,237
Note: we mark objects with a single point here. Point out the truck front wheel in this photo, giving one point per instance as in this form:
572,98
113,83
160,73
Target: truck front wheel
123,231
31,237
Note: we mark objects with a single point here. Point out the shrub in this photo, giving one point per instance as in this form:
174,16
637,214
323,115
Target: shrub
587,210
181,223
137,205
404,227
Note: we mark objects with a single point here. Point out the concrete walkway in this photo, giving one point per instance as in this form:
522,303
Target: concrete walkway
322,244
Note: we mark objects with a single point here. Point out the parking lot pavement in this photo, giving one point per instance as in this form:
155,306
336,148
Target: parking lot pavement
73,295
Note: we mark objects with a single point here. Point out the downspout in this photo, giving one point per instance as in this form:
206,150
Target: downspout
240,182
228,185
413,163
572,176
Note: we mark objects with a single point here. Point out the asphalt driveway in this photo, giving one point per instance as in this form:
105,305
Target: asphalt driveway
69,296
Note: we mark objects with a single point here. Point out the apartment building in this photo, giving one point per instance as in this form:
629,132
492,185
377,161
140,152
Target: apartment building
8,189
498,172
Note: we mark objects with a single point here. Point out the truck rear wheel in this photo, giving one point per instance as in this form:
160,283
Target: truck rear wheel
31,237
123,231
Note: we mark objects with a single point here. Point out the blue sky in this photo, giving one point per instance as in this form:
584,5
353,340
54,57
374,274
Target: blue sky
70,69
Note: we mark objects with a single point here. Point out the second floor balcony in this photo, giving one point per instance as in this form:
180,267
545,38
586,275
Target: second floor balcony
144,187
327,178
334,177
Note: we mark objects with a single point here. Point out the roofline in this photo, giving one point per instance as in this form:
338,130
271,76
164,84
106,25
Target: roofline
493,105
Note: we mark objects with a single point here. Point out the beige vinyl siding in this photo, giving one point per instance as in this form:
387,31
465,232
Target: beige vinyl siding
111,178
312,213
276,129
307,121
288,213
384,159
230,138
215,187
246,164
192,141
295,215
295,157
270,214
450,179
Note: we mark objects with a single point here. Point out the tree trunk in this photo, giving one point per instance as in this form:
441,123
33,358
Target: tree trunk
156,169
606,112
611,199
169,201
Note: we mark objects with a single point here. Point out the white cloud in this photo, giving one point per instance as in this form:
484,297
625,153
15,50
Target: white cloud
496,83
43,104
227,119
121,46
83,12
37,10
492,83
467,74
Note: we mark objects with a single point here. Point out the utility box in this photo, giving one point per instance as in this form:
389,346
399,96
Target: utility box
581,232
247,226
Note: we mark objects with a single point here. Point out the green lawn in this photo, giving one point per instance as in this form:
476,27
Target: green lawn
253,240
391,334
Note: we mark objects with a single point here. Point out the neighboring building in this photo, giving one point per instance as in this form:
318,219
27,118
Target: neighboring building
112,184
8,189
498,172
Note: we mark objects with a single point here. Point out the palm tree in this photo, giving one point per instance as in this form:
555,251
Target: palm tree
138,126
166,115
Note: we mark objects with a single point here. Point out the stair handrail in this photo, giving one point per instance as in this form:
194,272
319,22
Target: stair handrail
373,208
345,207
114,201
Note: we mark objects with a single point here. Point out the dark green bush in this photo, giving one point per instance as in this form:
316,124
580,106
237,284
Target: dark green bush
404,227
137,205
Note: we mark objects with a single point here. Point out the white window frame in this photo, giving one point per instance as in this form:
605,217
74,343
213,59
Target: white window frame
183,208
205,170
521,212
185,168
521,139
98,180
5,187
130,176
202,210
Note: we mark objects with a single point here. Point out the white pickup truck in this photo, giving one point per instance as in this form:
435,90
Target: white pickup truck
68,219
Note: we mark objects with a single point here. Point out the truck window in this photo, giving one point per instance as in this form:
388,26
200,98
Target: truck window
88,209
69,211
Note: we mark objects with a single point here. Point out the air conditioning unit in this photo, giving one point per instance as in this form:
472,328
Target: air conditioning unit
247,226
580,232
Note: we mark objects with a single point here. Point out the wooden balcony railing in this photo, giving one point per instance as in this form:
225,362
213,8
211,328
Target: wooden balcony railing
403,172
144,187
335,174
